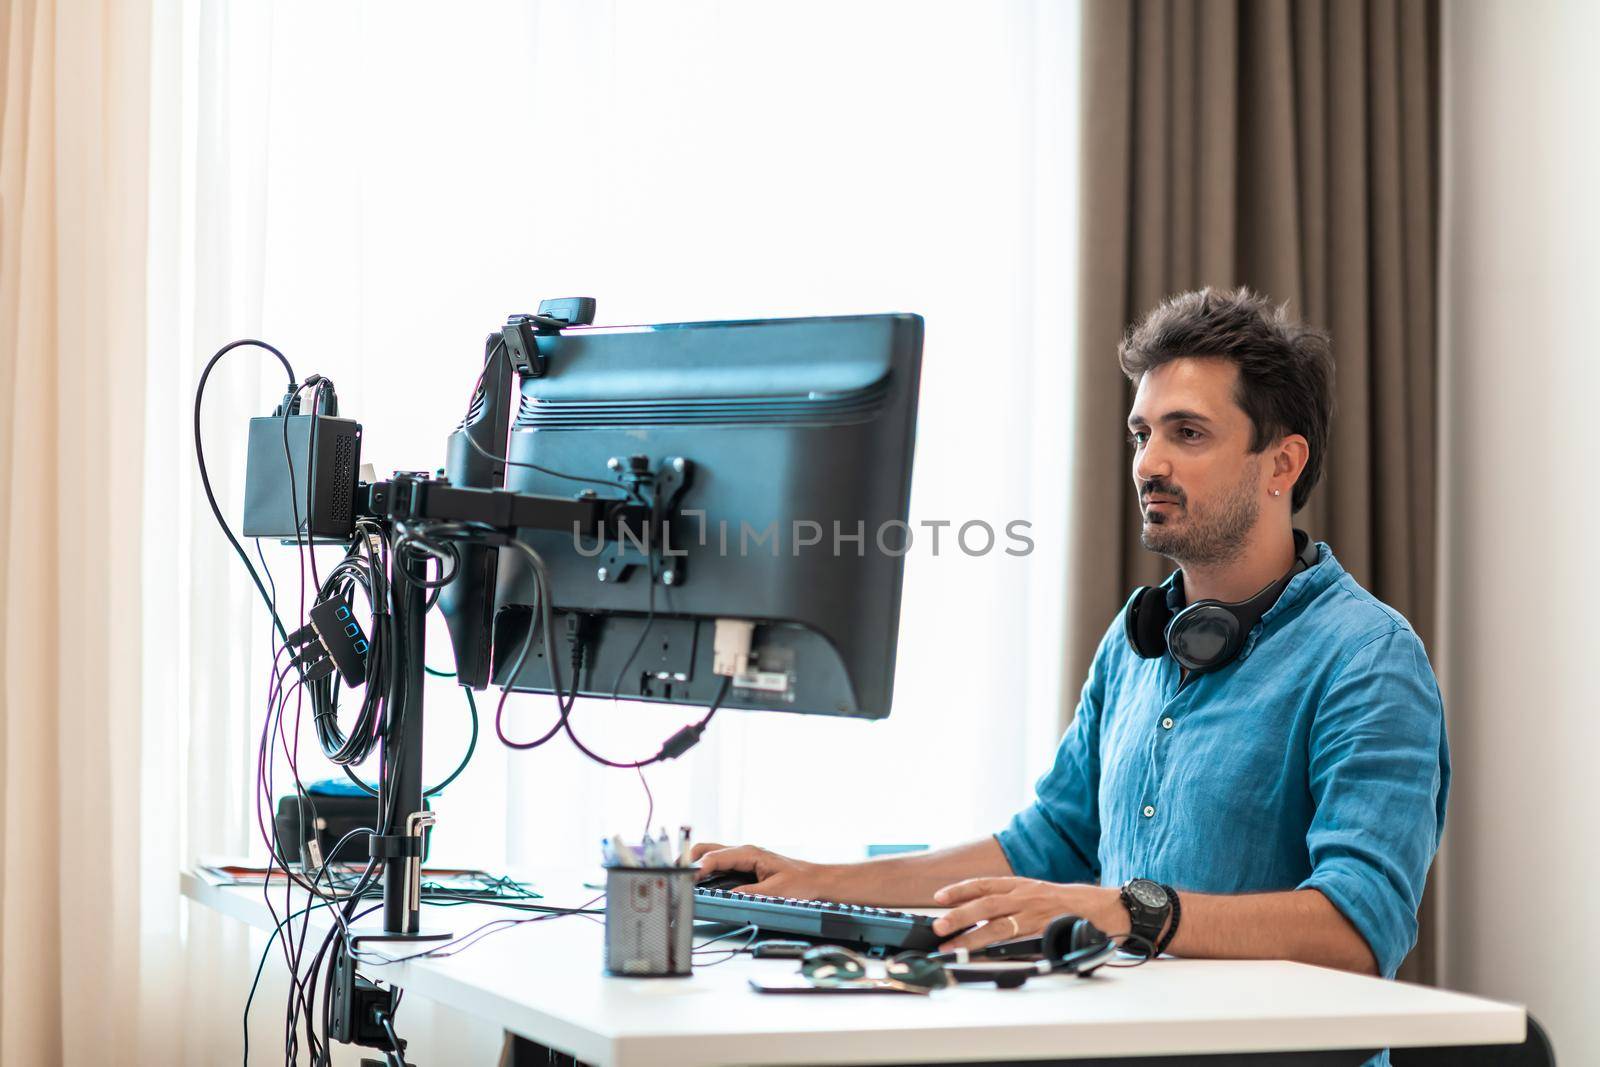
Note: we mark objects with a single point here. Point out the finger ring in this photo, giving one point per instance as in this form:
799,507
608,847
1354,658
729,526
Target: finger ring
1015,929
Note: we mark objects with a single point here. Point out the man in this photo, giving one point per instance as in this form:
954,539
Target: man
1280,797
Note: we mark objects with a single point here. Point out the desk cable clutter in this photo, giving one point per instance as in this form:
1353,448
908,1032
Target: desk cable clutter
537,568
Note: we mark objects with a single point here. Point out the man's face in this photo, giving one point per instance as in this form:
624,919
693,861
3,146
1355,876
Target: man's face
1199,484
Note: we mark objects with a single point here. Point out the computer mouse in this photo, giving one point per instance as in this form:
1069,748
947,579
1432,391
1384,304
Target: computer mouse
730,880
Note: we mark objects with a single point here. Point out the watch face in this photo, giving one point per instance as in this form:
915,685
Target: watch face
1147,893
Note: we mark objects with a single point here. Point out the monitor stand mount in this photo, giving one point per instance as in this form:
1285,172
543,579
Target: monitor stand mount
412,498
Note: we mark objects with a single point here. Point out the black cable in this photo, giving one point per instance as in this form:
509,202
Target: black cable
277,651
302,990
675,745
730,953
434,898
1146,958
441,554
367,568
542,624
366,574
500,347
267,951
302,797
271,585
392,1055
291,406
304,986
205,477
299,992
277,697
306,990
649,802
476,934
340,933
735,932
649,621
434,537
359,784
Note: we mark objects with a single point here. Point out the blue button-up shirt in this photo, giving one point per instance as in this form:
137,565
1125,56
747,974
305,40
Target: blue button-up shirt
1316,760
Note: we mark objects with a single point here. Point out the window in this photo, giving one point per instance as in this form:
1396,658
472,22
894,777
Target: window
375,188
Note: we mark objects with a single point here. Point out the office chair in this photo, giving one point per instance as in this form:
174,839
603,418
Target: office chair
1535,1051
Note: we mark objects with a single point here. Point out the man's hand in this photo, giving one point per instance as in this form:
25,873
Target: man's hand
1010,908
777,876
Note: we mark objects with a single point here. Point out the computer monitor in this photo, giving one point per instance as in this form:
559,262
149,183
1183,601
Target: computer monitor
798,436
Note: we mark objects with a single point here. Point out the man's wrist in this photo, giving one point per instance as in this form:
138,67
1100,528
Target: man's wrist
1109,914
832,879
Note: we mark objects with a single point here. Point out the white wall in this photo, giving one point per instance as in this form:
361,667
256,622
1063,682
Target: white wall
1521,229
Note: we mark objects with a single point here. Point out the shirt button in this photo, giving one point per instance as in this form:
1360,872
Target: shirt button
1166,724
1149,811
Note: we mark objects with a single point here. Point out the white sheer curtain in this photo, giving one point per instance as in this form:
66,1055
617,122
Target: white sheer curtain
372,187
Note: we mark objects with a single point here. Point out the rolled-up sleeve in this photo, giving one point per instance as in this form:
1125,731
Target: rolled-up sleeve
1379,775
1057,837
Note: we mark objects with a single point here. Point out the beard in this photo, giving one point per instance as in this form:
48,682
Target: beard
1205,534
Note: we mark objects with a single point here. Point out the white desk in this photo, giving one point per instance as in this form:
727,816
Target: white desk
543,981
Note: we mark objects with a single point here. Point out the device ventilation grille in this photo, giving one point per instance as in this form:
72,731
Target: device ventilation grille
474,412
861,405
344,447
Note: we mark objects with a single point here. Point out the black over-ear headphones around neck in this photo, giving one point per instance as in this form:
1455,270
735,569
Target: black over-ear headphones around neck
1208,634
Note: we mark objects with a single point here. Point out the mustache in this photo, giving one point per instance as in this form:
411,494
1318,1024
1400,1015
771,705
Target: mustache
1160,488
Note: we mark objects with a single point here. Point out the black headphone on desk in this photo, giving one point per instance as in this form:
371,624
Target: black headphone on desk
1208,634
1069,945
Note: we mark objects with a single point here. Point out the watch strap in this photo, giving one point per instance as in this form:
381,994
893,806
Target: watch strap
1172,927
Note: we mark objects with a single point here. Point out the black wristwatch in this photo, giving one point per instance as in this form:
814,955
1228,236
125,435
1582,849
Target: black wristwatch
1149,904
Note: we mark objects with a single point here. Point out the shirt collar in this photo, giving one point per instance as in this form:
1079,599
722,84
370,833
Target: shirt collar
1302,587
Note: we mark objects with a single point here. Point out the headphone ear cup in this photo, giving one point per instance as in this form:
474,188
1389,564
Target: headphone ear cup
1205,636
1060,937
1145,620
1086,934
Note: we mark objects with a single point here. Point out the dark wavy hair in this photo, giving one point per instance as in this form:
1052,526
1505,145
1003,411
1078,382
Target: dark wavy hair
1285,367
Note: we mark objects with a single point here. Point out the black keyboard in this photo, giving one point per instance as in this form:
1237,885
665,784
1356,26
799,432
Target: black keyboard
822,920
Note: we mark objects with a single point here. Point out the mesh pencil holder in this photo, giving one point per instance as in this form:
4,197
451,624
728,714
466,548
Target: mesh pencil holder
649,921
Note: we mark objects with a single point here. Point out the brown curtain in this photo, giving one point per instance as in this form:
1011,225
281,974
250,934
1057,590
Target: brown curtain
1291,147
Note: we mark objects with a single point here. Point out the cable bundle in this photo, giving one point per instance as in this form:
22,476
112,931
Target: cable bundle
370,558
364,567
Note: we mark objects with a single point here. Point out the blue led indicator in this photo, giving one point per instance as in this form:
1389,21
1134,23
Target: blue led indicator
352,629
361,648
342,612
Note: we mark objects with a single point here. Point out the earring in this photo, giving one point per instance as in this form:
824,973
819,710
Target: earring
1277,492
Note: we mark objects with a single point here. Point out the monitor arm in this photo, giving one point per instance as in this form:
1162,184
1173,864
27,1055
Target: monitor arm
413,498
641,517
